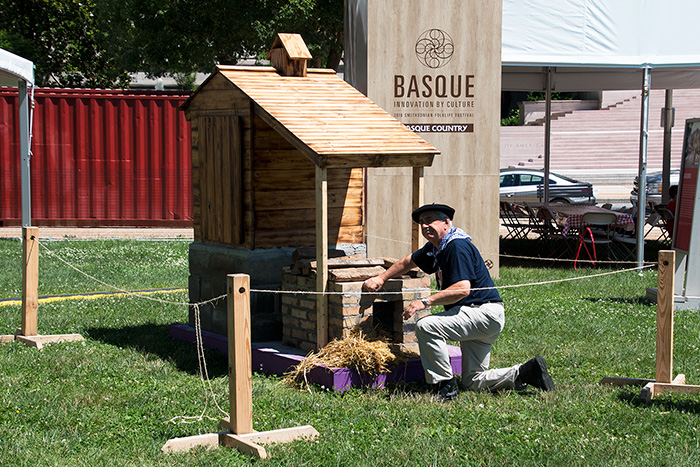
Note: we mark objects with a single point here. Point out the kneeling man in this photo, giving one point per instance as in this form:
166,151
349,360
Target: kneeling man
474,313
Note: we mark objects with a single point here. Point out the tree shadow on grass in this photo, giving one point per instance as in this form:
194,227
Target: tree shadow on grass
155,339
680,402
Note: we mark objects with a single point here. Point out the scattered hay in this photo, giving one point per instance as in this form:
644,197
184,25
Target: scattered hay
368,357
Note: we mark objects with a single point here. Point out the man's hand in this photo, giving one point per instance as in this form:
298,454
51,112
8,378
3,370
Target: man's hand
373,284
411,309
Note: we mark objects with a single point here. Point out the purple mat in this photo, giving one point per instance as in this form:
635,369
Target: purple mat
276,359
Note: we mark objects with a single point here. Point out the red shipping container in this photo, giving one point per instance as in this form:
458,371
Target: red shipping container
99,158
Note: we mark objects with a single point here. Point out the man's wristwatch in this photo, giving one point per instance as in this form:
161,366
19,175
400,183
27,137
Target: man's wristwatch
425,302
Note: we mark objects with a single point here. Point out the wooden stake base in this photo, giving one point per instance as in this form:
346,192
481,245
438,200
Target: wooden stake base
678,385
248,443
652,388
239,424
39,341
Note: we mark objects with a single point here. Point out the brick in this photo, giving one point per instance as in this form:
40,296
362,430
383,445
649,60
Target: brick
421,314
409,338
353,310
299,333
353,321
336,321
307,303
300,314
308,325
309,283
393,285
335,333
346,287
290,341
306,346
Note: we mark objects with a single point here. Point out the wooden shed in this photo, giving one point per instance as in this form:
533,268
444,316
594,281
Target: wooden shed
278,158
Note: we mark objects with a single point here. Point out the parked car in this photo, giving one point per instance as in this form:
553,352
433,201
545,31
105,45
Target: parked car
526,185
654,186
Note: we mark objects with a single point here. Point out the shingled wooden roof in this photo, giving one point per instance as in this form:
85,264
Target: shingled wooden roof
328,120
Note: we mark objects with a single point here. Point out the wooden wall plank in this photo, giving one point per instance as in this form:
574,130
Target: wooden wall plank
228,178
306,237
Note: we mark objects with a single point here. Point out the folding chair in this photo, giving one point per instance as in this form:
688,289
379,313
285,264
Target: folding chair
554,235
597,228
654,223
509,219
667,219
536,224
625,246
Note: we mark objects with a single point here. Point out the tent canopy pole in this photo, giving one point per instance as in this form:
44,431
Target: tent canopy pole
641,192
547,131
24,154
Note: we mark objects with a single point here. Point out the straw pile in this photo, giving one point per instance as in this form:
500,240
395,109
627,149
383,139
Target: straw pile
368,357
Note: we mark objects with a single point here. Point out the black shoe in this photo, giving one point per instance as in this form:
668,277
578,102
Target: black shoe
447,390
534,372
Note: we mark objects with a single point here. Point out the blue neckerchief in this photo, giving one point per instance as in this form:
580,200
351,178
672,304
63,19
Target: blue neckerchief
452,234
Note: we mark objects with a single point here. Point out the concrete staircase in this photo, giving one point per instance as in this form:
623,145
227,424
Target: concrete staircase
602,146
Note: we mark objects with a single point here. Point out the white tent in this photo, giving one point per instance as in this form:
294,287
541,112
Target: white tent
19,72
594,45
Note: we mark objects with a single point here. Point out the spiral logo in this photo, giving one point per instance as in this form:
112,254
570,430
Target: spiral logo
434,48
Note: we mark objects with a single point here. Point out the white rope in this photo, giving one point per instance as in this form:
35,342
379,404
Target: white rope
529,284
199,342
203,372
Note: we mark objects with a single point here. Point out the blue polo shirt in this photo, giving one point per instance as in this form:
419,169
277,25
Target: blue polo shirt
459,260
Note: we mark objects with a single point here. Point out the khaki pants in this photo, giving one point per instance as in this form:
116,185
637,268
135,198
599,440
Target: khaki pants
476,328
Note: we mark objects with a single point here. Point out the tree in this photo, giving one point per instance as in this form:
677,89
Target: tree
320,22
62,39
96,43
183,36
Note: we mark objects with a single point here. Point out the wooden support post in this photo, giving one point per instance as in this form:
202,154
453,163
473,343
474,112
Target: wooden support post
416,202
239,351
664,316
30,281
239,424
321,257
28,333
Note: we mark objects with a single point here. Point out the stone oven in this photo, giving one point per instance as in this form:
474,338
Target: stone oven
350,308
279,156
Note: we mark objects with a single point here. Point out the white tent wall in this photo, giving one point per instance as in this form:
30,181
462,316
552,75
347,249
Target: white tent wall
19,72
595,45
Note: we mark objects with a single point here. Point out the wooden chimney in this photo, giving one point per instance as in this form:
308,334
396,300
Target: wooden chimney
289,55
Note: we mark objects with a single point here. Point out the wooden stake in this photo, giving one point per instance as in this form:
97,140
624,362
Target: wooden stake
664,339
664,316
28,333
30,281
321,257
239,352
240,433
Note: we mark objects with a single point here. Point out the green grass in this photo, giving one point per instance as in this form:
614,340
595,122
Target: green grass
110,399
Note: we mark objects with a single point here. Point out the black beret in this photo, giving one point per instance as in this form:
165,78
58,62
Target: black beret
443,208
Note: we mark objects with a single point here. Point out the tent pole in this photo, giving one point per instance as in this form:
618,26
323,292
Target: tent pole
25,173
668,124
641,192
547,132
